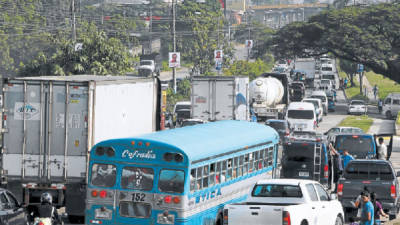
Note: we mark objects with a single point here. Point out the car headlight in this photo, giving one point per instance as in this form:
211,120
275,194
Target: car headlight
165,218
103,213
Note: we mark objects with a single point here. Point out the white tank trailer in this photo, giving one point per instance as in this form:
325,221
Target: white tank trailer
267,95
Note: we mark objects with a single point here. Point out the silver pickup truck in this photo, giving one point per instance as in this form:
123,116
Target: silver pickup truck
286,201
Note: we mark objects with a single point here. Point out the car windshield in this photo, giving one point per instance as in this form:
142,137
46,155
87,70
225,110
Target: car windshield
276,190
369,171
182,107
301,114
183,114
358,146
276,125
325,81
329,77
137,178
357,103
103,175
145,63
171,181
323,98
327,68
298,153
190,123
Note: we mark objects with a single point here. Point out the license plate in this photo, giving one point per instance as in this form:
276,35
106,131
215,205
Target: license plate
304,174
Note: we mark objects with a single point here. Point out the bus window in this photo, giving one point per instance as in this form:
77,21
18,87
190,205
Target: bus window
265,157
235,167
251,160
229,176
211,180
199,178
171,181
137,178
261,159
205,177
134,209
103,175
218,173
246,164
255,161
270,156
192,180
223,173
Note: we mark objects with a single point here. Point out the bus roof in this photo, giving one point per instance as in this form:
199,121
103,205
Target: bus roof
215,138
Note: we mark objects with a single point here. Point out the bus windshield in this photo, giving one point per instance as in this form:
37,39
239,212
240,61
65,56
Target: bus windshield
103,175
137,178
171,181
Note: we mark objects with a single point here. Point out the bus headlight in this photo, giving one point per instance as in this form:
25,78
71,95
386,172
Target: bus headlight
103,213
165,218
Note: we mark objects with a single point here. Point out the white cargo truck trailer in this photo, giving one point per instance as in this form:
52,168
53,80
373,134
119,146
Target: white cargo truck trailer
220,98
50,123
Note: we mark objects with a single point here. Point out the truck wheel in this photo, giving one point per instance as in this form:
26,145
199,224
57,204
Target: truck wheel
339,220
388,115
392,217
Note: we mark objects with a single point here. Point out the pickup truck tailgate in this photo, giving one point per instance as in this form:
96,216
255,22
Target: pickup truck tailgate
254,214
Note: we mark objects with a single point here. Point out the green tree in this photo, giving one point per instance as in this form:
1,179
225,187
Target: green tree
367,35
99,55
250,69
198,30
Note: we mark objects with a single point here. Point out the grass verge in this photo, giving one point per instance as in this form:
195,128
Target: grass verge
398,118
363,122
385,85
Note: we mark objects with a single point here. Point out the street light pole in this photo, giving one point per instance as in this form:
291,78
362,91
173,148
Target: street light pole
151,26
174,42
73,21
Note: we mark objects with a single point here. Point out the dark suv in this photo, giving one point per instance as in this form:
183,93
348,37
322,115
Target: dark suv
282,127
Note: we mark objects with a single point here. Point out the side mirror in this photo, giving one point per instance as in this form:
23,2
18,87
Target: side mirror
398,174
333,196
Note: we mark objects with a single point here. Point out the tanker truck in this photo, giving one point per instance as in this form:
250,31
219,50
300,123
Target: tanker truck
269,96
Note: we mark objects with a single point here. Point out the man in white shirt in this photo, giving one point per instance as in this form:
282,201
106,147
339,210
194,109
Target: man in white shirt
382,149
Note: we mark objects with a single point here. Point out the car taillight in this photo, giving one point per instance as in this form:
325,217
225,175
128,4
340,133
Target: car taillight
168,199
225,216
176,200
340,189
326,171
103,194
94,193
40,223
287,133
285,218
393,191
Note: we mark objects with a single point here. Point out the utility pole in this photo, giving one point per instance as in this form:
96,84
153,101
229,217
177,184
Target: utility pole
248,48
174,40
73,21
151,26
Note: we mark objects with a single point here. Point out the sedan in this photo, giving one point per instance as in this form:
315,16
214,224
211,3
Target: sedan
357,107
11,211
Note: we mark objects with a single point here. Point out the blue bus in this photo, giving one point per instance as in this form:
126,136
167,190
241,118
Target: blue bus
179,176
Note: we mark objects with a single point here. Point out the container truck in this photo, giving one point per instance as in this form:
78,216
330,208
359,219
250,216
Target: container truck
50,123
307,65
220,98
269,96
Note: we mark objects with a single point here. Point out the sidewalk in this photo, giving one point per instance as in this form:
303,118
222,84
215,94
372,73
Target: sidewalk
369,89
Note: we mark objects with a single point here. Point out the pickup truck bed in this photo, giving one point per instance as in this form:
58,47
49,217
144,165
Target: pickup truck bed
377,176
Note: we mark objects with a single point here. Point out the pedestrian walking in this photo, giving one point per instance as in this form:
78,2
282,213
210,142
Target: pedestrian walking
367,211
382,149
380,105
375,90
345,82
335,165
341,83
378,210
359,204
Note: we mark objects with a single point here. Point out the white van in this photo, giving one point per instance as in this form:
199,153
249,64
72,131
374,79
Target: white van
326,69
391,105
319,109
321,95
301,116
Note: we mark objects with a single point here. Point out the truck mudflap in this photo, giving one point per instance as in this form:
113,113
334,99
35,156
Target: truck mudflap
75,198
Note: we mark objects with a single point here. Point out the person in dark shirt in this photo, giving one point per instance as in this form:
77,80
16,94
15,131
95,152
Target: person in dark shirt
46,209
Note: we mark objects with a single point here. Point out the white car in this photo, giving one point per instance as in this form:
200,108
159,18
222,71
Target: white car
286,201
357,107
324,99
318,106
301,116
331,133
